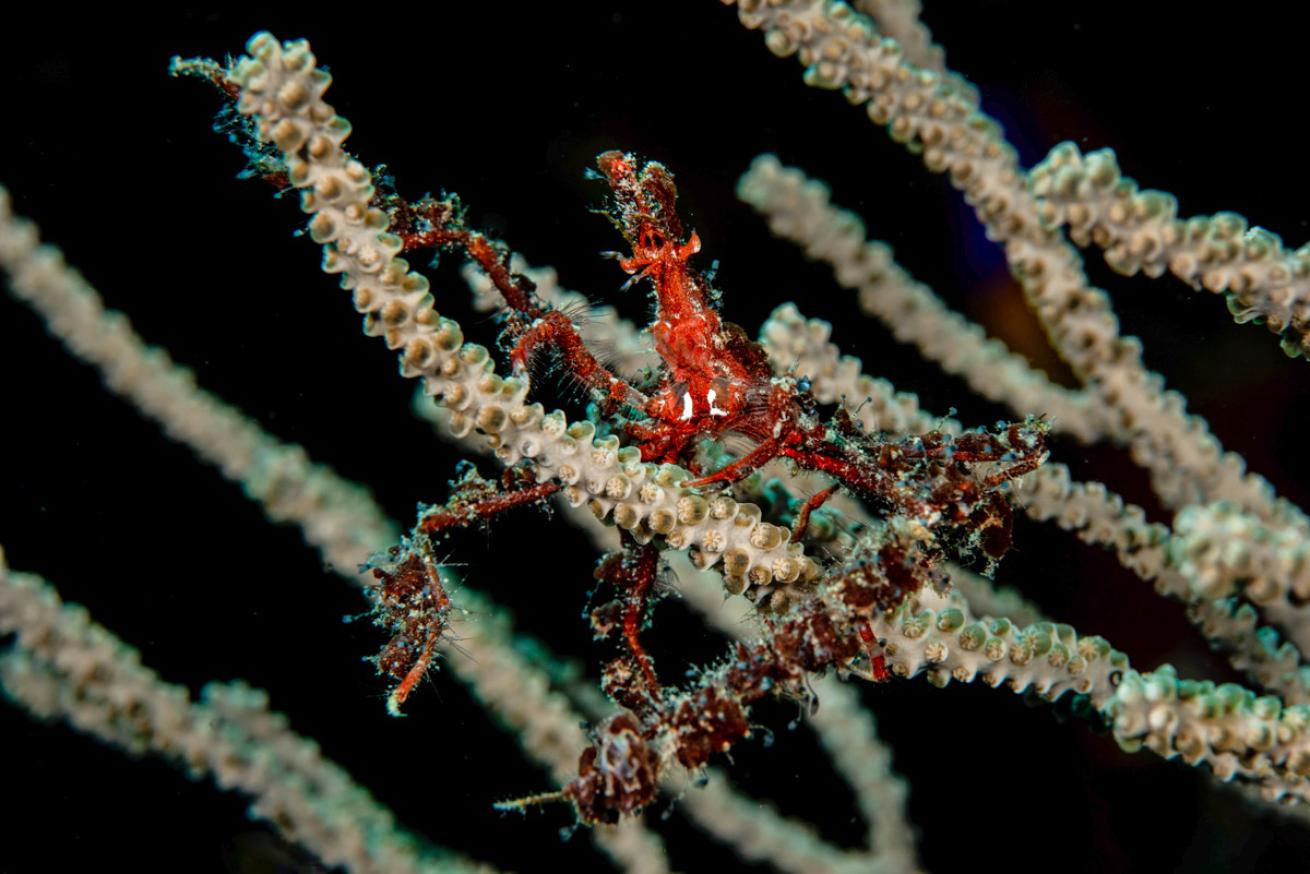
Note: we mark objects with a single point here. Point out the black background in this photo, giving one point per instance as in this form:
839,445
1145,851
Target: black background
506,106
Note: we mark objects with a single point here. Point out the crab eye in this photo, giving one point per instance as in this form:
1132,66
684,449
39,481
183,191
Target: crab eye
720,390
688,406
682,394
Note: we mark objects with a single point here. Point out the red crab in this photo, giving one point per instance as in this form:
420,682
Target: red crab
717,380
714,380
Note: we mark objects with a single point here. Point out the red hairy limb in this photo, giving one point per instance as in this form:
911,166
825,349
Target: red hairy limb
433,223
741,468
475,499
817,500
410,601
632,573
555,329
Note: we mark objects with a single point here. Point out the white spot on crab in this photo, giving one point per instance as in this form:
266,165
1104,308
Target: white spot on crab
687,406
714,411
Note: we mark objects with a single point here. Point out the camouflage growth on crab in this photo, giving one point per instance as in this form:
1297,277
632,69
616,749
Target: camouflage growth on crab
930,497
